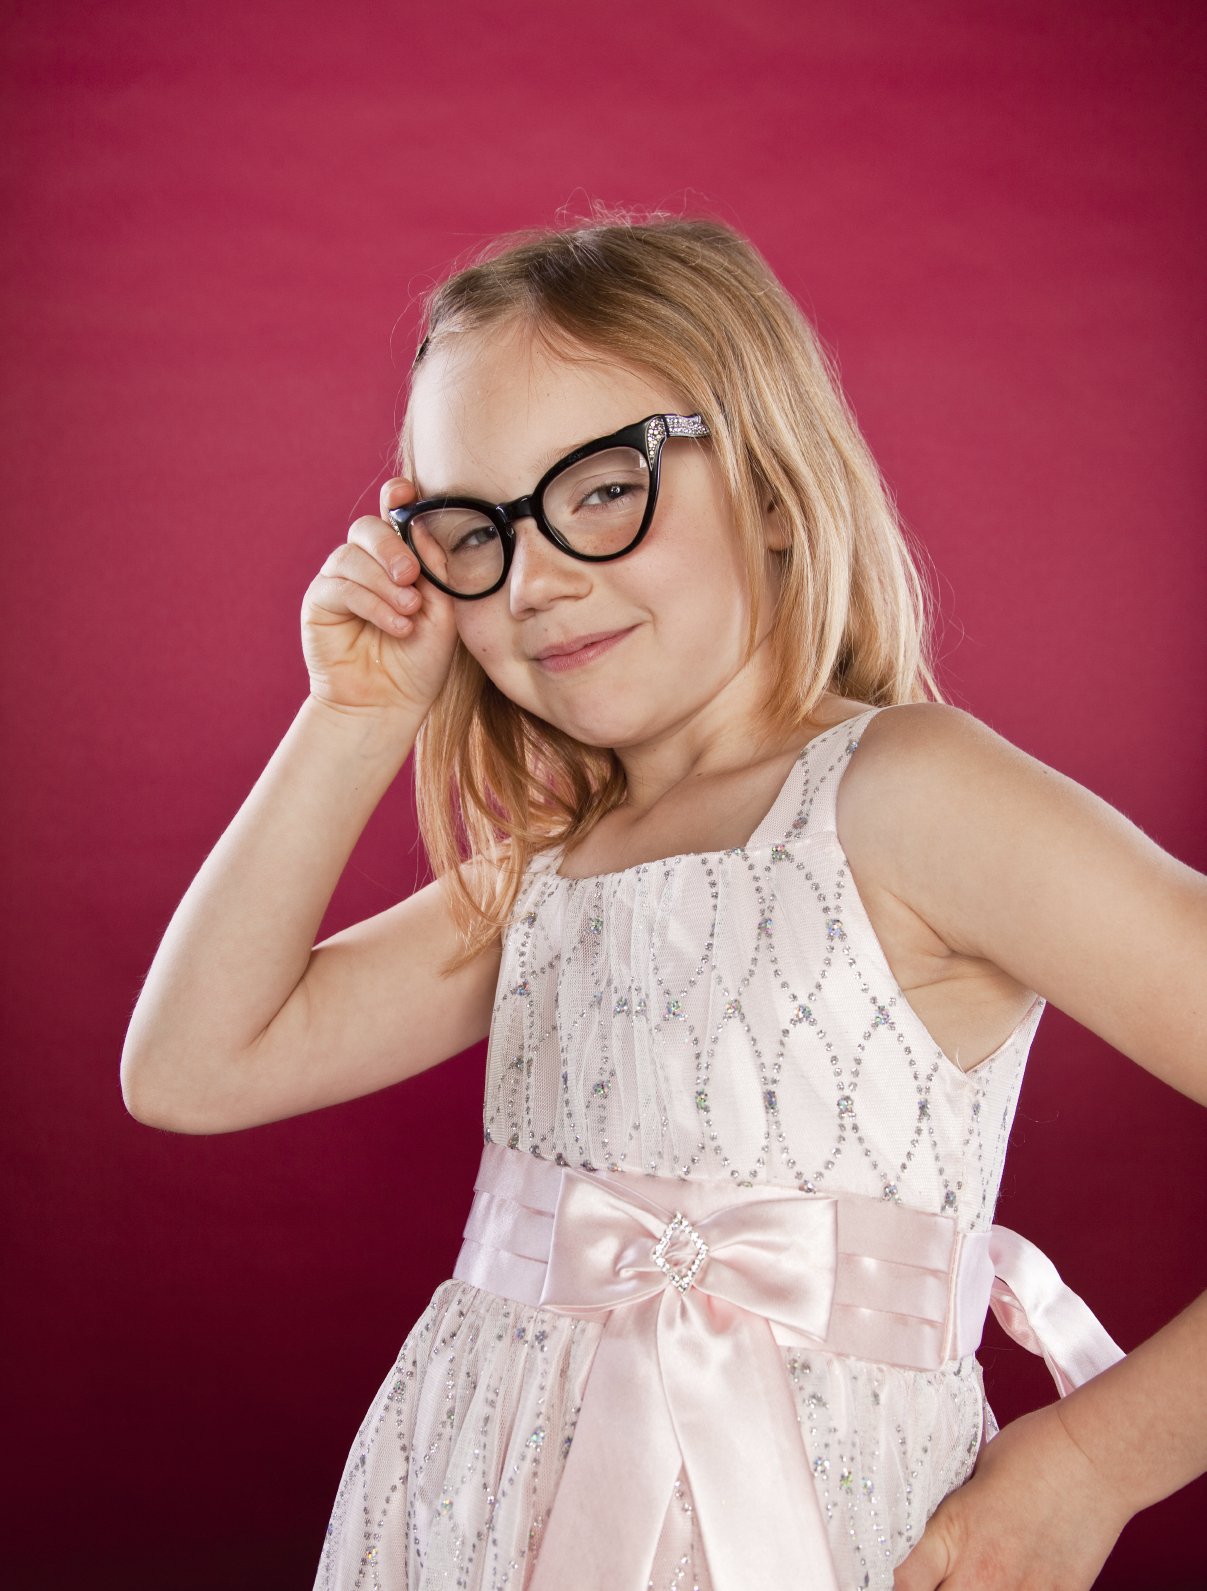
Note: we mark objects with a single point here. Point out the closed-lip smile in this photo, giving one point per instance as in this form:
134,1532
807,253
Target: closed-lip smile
582,649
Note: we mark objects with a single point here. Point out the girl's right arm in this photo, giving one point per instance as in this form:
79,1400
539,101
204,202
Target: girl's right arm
242,1019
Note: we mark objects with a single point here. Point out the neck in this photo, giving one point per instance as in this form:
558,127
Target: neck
731,731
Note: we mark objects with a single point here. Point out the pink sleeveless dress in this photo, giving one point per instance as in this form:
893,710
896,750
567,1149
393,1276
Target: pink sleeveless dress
720,1018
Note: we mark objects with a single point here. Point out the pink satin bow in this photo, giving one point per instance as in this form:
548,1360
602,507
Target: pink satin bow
1036,1308
688,1374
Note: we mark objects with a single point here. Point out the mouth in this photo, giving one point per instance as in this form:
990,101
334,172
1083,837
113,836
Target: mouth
583,649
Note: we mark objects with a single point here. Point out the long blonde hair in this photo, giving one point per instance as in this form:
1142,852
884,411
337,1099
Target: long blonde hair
697,304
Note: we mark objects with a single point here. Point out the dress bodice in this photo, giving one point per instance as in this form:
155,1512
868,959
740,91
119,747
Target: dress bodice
725,1016
732,1015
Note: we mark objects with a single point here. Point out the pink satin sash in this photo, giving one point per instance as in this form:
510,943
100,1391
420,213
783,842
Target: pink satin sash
698,1284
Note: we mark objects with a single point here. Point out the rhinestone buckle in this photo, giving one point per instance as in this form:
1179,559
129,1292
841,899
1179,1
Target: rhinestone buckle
681,1277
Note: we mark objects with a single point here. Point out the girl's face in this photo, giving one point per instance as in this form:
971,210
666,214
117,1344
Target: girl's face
619,654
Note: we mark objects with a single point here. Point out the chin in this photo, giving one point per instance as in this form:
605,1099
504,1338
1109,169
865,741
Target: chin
604,730
601,737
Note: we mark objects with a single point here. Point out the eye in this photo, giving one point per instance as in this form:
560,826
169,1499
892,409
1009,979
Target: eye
600,495
478,536
613,492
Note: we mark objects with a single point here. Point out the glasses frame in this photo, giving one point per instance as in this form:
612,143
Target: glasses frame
647,437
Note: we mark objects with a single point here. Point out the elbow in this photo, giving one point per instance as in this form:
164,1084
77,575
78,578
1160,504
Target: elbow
141,1097
149,1097
180,1090
141,1060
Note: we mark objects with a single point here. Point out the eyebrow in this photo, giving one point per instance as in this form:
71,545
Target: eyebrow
544,462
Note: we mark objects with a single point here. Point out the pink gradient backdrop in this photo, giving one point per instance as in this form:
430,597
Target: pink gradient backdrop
220,217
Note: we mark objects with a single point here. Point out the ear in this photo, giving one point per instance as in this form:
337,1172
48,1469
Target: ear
774,528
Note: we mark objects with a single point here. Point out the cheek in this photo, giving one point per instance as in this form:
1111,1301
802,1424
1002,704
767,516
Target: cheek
482,627
487,632
699,573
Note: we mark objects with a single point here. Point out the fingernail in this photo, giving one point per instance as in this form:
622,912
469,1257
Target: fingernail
399,568
401,624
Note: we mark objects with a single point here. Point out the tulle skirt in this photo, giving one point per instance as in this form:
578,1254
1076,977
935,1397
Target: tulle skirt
455,1469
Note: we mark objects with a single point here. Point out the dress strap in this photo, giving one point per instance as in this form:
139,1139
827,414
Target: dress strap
808,801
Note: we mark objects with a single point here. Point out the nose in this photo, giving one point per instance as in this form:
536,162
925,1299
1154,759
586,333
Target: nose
541,574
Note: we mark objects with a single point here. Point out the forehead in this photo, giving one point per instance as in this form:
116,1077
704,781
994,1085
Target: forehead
491,410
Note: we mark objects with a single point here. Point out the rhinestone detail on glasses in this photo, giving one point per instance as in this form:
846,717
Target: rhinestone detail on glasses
685,425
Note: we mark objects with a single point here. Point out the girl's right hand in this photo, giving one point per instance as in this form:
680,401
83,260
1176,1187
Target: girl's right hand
375,634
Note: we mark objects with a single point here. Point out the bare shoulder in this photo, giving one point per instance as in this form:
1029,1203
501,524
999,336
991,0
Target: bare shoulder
926,767
934,791
954,832
929,741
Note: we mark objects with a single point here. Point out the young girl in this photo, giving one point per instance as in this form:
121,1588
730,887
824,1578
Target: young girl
760,934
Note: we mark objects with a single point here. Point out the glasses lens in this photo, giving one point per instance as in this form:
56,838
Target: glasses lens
599,503
460,547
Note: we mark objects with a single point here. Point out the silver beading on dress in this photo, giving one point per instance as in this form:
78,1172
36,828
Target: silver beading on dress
719,1017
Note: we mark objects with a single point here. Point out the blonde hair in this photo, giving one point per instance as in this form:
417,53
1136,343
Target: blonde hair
697,304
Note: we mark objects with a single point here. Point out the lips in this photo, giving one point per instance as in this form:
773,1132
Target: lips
579,651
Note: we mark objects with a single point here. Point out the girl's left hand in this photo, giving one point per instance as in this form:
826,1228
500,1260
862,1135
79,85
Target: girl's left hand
1035,1516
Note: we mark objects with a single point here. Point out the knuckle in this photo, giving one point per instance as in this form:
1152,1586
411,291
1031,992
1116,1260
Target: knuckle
336,590
366,530
335,561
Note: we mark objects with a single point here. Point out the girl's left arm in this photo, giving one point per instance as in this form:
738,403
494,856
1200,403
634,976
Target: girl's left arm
1010,864
1053,1490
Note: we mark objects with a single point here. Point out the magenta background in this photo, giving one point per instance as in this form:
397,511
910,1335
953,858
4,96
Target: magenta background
217,215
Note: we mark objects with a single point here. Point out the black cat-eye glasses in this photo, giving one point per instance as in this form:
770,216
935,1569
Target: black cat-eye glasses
596,504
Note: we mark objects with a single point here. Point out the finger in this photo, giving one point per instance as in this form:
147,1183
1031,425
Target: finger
332,598
396,492
927,1566
352,562
383,543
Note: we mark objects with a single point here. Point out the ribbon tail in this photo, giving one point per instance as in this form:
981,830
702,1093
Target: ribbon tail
735,1418
621,1470
1035,1307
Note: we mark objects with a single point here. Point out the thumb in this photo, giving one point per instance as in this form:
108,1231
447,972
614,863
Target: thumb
928,1565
